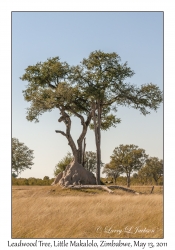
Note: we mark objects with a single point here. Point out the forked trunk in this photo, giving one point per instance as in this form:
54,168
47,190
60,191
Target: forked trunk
75,173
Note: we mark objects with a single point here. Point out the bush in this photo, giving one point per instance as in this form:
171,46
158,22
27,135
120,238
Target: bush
46,181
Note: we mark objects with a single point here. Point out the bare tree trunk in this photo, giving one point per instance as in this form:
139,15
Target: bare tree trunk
85,125
97,131
98,143
84,148
155,179
67,121
74,173
128,180
77,153
152,189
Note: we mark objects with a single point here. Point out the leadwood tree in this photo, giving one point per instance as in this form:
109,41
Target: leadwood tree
102,77
49,87
129,158
22,157
90,91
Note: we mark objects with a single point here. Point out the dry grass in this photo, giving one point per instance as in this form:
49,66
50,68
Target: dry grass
45,212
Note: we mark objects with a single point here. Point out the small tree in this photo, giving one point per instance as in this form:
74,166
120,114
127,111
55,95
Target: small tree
130,158
112,170
14,175
152,170
46,178
22,157
90,161
61,165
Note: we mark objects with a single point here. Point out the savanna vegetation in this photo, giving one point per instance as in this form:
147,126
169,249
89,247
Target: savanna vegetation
54,212
92,91
46,181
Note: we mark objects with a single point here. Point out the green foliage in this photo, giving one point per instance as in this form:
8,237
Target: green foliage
32,181
129,158
90,161
54,84
121,180
107,121
14,175
102,77
46,178
22,157
60,167
96,86
153,170
112,170
49,87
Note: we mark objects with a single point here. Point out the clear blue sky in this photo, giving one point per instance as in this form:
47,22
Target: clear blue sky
136,36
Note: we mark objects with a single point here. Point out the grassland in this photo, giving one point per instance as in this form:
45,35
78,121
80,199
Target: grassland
47,212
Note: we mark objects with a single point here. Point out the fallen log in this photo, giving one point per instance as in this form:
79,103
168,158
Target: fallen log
124,189
102,187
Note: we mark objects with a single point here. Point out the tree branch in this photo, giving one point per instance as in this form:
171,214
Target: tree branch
78,115
50,85
61,132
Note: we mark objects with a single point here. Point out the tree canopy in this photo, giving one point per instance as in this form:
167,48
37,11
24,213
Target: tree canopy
91,91
112,170
129,158
22,157
102,77
152,170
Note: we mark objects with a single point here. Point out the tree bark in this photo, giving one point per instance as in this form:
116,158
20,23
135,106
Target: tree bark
67,121
128,180
98,143
97,131
74,173
77,151
85,125
84,149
